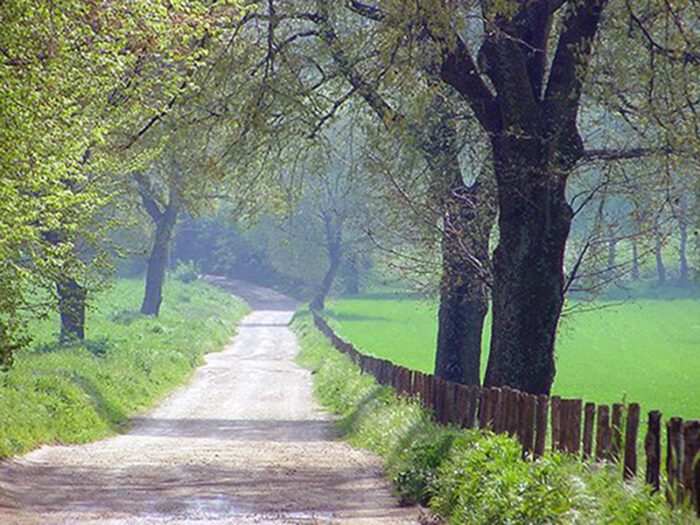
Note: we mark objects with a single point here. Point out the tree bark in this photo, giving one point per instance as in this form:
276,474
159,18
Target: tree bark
352,282
468,214
660,267
635,260
335,255
528,291
683,269
71,307
463,288
612,255
158,260
164,216
535,143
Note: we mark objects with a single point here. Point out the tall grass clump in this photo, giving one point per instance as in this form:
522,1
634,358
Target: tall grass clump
469,476
81,392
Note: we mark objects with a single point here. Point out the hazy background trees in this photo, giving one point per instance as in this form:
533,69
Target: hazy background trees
328,147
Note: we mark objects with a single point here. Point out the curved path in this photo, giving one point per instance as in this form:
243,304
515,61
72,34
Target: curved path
243,443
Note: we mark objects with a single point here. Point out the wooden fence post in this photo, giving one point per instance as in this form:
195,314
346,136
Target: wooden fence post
527,425
429,391
588,423
497,406
652,446
556,421
512,425
629,469
473,406
436,398
541,424
461,405
484,408
691,462
674,451
616,427
574,431
602,433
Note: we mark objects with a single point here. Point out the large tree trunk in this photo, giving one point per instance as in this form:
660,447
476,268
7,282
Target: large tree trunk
158,260
334,258
463,291
71,307
528,291
468,214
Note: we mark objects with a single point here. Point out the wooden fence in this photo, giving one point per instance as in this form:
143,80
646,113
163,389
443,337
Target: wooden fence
593,432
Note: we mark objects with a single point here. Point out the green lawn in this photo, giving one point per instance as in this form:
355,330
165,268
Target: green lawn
646,351
59,394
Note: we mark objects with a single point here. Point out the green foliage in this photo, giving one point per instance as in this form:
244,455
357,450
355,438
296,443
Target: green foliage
79,79
644,350
485,480
81,392
470,477
417,466
186,272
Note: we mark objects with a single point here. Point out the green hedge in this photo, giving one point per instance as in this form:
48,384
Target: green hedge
469,477
75,394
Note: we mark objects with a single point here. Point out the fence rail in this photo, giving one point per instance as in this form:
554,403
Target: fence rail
590,431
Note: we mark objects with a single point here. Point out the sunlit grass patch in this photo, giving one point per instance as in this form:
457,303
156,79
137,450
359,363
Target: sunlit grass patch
647,351
469,477
82,392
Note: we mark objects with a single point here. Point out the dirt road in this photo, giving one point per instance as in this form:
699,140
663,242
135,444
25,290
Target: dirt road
243,443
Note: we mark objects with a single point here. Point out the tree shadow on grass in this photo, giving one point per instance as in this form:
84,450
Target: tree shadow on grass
97,347
350,420
350,317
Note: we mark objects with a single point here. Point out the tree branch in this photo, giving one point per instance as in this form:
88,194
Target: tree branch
571,59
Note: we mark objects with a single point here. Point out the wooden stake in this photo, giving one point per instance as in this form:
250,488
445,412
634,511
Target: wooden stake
652,446
629,470
616,443
691,462
602,432
674,451
541,424
588,424
556,421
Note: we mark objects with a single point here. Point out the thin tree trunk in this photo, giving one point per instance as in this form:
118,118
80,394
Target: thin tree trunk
612,254
71,307
352,283
158,261
660,267
528,292
683,270
334,258
635,260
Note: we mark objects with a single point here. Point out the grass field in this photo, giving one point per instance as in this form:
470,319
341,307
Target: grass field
78,393
646,351
468,476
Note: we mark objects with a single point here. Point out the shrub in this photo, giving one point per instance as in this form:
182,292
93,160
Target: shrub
186,272
416,472
485,480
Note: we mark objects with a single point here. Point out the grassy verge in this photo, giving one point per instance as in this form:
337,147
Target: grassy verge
644,351
85,392
468,477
